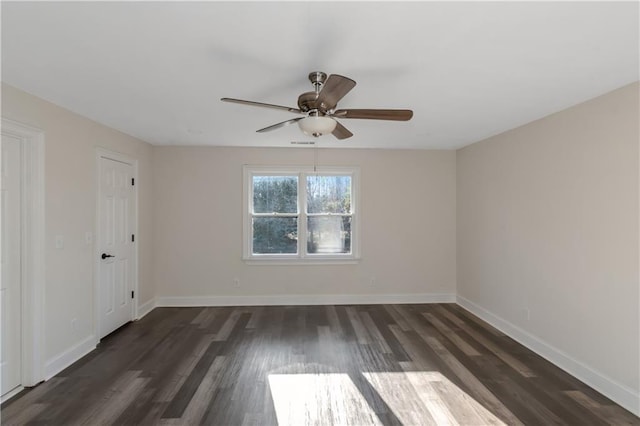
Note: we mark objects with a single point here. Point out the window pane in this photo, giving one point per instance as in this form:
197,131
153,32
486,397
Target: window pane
275,235
329,194
329,234
275,194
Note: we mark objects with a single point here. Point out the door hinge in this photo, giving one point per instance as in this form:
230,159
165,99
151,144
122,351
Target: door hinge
133,238
132,294
133,181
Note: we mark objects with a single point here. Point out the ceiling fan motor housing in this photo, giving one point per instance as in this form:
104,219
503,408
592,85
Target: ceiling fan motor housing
308,102
316,123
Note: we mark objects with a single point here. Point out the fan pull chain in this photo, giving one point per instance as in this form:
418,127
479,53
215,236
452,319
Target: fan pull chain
315,157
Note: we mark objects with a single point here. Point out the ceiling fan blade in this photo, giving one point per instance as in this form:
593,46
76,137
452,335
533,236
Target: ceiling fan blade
375,114
341,132
279,125
333,90
260,104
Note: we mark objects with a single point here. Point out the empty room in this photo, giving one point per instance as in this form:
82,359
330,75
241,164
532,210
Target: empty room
320,213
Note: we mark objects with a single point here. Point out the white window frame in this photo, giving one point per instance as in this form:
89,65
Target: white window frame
301,257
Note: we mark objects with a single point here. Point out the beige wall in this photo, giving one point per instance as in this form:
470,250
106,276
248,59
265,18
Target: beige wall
547,221
407,224
70,211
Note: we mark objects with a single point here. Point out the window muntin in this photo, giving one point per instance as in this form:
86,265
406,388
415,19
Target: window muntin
300,214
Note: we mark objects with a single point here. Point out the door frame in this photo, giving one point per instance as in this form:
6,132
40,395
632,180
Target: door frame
33,248
133,162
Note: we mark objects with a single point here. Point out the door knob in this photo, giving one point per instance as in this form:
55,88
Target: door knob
105,255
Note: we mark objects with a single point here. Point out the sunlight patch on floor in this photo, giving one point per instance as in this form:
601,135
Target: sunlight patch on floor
428,397
413,397
319,399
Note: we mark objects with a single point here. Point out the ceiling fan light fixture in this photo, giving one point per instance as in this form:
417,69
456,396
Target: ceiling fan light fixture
318,108
317,125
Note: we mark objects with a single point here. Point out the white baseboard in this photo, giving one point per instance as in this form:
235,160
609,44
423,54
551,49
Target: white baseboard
7,396
621,394
146,307
322,299
68,357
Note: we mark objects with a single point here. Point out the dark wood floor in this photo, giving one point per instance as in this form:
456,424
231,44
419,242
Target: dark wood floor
380,364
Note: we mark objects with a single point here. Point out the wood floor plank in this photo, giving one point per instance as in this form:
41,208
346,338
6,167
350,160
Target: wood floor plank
401,397
26,415
383,320
422,384
181,399
256,314
111,410
375,333
345,323
227,327
397,318
20,403
361,332
608,413
202,316
199,402
141,410
471,319
480,391
114,401
349,364
334,321
504,356
465,410
507,388
185,367
464,346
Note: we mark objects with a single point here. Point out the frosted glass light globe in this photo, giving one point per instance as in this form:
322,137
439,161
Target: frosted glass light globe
317,126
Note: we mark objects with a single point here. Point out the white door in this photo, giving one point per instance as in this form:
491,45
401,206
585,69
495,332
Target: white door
116,203
11,289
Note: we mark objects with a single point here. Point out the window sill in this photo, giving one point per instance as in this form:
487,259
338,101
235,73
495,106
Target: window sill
299,261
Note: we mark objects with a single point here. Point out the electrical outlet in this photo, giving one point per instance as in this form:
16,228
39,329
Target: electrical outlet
236,282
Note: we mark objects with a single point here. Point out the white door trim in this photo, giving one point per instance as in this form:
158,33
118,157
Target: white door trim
33,255
123,158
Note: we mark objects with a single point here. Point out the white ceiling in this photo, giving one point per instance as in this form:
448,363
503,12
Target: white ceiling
469,70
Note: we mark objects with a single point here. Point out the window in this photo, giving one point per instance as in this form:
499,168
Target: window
297,214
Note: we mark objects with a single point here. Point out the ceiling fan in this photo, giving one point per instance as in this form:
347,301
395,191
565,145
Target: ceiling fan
319,108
